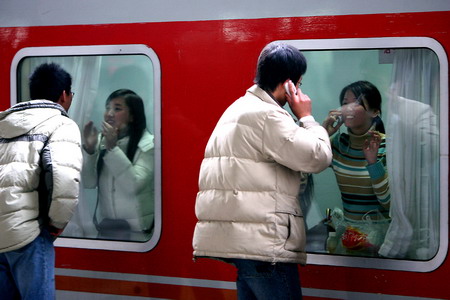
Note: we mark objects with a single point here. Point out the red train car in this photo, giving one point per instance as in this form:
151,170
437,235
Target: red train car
189,61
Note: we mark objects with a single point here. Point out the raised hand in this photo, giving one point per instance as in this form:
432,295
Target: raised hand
371,146
90,136
110,135
299,103
333,122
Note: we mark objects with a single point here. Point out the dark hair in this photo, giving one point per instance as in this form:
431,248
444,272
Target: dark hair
372,96
277,63
48,81
137,126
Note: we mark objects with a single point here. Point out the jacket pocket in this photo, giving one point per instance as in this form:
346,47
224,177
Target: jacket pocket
296,239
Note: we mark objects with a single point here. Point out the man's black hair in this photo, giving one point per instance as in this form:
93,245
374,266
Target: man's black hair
277,63
48,81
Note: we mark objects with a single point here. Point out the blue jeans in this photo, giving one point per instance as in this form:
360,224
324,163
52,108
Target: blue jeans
264,280
29,272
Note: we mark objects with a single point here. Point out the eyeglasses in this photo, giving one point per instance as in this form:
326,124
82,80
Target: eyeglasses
358,102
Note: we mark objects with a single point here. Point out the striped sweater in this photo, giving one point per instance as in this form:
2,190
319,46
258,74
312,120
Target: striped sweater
364,188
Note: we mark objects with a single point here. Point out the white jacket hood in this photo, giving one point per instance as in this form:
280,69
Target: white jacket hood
19,120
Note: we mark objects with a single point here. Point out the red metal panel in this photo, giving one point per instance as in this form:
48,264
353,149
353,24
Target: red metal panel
205,66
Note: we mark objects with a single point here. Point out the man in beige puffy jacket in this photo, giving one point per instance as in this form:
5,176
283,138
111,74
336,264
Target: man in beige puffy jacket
247,207
40,169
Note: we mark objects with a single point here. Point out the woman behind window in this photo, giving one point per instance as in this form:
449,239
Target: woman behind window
119,162
359,163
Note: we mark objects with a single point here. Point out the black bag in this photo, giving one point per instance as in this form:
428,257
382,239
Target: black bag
115,229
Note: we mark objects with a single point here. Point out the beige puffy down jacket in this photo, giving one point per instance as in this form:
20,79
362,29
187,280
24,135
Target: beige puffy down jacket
247,206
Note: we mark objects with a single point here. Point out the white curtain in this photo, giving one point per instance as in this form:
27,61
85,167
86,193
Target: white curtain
85,73
413,156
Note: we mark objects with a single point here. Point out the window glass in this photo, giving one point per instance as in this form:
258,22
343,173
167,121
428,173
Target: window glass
115,97
383,203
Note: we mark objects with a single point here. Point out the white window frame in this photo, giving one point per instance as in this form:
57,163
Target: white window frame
100,50
392,43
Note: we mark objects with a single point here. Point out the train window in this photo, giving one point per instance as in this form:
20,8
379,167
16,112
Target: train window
119,206
387,206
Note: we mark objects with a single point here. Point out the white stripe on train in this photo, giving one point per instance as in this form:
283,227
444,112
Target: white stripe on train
179,281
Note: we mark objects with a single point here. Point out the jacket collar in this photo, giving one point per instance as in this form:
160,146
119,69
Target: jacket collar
146,143
37,104
22,117
262,94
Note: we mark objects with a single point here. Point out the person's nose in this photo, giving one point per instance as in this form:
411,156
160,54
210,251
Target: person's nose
344,109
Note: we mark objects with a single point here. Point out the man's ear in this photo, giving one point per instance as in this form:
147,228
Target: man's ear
64,100
278,92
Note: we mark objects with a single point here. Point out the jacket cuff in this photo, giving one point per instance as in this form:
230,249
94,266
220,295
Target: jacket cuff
307,119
